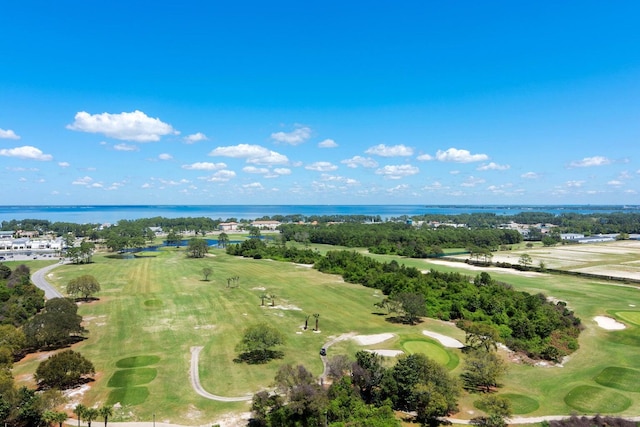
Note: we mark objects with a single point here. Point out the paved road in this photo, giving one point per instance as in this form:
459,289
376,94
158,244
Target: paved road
39,279
195,381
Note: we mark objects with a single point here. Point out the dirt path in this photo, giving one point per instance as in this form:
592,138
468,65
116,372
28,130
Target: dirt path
195,381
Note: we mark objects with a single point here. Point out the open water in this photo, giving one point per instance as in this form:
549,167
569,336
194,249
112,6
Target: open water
111,214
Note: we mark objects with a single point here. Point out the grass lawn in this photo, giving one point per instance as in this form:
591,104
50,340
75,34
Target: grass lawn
152,310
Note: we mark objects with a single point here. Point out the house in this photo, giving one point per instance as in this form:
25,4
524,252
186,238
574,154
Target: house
228,226
266,225
571,236
6,234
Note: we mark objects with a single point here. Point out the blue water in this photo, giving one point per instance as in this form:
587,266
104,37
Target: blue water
112,214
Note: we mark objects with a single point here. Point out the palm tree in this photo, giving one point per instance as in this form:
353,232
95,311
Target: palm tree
264,297
317,316
273,299
106,412
90,415
223,240
80,410
306,322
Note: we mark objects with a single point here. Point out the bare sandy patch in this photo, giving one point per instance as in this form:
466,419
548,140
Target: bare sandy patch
444,340
387,353
478,268
372,339
305,265
259,288
608,323
284,307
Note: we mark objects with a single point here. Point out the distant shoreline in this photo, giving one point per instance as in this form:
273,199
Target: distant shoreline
101,214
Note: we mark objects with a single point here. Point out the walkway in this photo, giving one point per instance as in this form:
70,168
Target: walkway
39,279
195,381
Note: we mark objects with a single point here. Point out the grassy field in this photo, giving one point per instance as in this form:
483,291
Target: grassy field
152,310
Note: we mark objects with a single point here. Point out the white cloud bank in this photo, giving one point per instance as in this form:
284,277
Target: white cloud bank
390,151
365,162
26,152
397,171
8,134
327,143
459,156
590,161
254,154
295,137
196,137
135,126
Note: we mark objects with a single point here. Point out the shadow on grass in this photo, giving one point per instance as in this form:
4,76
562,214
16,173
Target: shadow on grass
258,357
403,320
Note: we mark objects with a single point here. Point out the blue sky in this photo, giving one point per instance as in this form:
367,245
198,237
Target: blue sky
289,102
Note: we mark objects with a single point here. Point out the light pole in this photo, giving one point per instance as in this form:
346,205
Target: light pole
154,419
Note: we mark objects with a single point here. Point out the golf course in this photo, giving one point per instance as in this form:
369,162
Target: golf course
153,310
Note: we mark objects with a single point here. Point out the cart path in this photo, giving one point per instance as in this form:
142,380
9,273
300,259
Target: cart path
195,381
39,279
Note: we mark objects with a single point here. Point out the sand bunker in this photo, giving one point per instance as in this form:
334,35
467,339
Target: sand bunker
386,353
608,323
444,340
372,339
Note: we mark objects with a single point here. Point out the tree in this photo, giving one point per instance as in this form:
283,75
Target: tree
197,248
206,272
223,240
413,305
263,296
63,370
254,232
317,316
525,260
54,417
498,409
272,297
258,342
106,412
57,325
85,286
173,238
79,410
90,414
482,370
480,336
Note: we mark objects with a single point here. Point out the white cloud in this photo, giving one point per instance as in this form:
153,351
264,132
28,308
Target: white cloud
222,176
253,169
254,154
530,175
295,137
493,167
435,185
615,183
327,143
253,186
26,152
85,180
472,181
590,161
204,166
365,162
397,171
196,137
424,157
391,151
135,126
64,164
398,189
574,184
282,171
125,147
8,134
165,156
21,169
337,178
321,167
459,156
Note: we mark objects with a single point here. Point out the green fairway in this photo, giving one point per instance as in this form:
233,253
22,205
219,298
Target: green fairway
431,350
152,310
620,378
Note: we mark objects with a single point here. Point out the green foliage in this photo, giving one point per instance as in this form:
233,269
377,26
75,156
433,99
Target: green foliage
63,370
206,272
258,341
482,370
197,248
58,325
19,298
85,286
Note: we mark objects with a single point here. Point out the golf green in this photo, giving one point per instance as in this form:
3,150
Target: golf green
431,350
596,400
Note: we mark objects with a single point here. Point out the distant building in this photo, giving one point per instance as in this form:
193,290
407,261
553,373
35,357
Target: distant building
6,234
228,226
571,236
266,225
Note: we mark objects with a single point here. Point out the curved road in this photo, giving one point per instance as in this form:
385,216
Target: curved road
39,279
195,381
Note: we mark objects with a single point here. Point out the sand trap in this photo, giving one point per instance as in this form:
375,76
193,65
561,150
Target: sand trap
608,323
444,340
387,353
372,339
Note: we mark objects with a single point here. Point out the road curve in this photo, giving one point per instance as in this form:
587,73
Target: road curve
39,279
195,381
